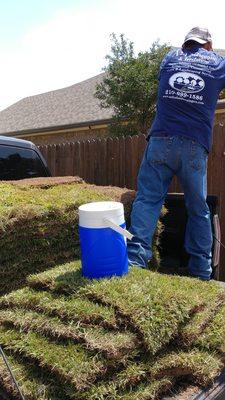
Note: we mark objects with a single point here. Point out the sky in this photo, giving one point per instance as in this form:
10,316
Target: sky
46,45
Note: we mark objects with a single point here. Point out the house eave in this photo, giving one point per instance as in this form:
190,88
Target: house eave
81,126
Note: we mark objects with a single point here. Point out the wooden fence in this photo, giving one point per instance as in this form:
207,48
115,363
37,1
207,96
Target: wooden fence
116,162
101,161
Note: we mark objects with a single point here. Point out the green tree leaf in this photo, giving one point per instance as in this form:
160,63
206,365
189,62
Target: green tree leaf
130,85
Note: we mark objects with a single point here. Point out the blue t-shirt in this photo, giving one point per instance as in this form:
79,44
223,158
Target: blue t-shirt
189,86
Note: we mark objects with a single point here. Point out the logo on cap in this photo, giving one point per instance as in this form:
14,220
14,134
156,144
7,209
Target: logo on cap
187,82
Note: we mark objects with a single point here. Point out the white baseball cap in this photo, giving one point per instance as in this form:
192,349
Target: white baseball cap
199,35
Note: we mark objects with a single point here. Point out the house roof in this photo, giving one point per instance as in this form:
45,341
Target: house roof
71,106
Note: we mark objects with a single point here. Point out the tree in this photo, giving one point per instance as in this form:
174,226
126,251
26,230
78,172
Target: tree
130,85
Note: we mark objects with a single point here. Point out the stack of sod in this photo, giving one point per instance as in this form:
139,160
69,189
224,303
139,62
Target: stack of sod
39,224
129,338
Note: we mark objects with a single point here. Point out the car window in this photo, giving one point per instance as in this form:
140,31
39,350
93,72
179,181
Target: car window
19,163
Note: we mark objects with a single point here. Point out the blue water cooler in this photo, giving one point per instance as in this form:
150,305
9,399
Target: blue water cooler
103,239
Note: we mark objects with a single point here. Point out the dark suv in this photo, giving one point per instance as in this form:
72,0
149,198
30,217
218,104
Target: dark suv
20,159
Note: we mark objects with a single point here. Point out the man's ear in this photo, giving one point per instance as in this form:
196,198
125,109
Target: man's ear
208,46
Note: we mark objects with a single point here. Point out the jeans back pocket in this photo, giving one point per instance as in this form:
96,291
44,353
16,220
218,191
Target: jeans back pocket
158,149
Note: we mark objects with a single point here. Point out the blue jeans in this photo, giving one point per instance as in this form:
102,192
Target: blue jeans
165,157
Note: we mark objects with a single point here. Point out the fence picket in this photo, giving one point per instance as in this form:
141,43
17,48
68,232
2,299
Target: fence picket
121,162
109,161
128,162
75,155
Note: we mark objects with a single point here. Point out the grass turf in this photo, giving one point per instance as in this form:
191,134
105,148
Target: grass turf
64,278
34,382
154,305
54,325
213,337
114,344
143,391
71,308
113,339
201,320
39,226
201,366
44,220
70,363
58,332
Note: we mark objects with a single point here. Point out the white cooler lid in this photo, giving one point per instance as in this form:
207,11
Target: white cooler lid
92,215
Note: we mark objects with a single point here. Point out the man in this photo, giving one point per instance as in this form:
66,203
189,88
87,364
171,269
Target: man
179,140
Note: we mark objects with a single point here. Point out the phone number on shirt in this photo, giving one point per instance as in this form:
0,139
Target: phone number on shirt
184,95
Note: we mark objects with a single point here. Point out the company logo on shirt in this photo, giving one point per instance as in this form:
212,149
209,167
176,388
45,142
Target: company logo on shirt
187,82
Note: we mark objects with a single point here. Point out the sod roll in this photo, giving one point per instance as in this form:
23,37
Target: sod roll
39,225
